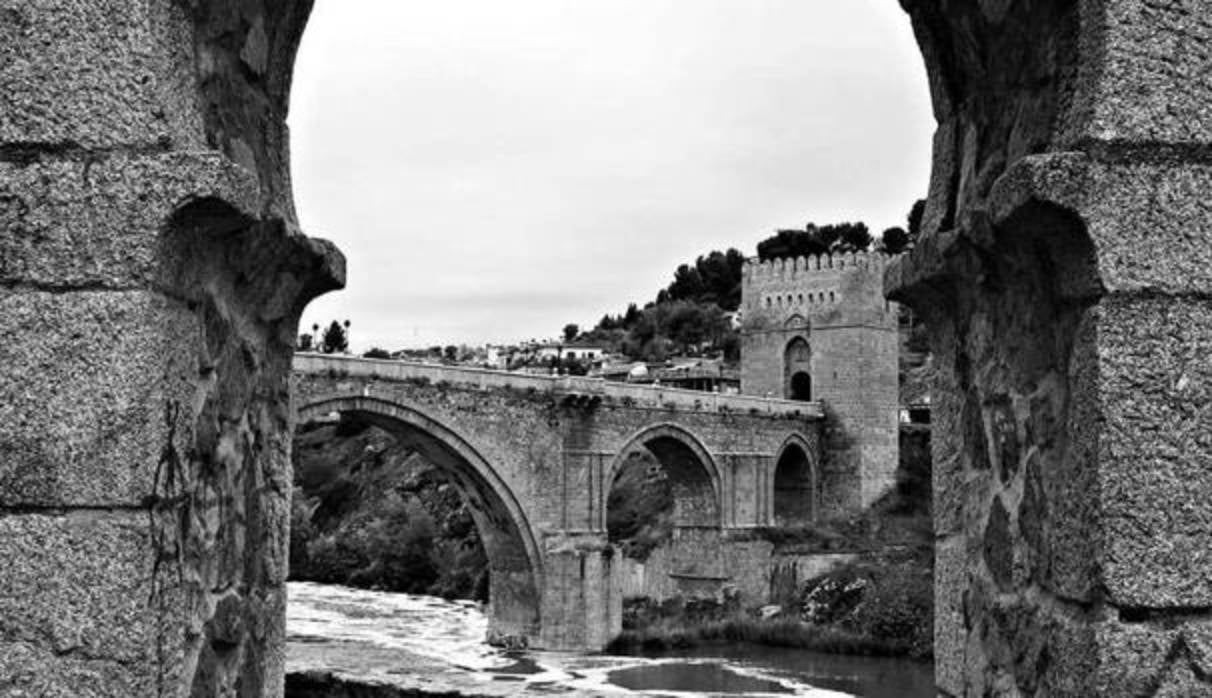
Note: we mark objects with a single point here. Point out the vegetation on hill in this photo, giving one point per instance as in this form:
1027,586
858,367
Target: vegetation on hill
369,512
691,314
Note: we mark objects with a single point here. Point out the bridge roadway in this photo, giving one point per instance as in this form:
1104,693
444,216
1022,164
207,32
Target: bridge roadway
535,457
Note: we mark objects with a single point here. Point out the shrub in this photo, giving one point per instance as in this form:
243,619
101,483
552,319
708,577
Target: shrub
899,606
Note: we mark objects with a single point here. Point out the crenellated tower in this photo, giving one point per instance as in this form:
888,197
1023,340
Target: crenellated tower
819,328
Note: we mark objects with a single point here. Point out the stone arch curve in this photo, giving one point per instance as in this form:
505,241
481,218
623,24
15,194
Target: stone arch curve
789,505
679,452
515,559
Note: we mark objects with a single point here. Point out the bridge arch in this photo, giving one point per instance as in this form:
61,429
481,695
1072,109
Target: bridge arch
796,482
696,478
514,557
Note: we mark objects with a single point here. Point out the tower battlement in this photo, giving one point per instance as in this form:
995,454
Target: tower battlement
791,269
785,287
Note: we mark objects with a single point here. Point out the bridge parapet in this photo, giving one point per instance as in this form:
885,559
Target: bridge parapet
483,379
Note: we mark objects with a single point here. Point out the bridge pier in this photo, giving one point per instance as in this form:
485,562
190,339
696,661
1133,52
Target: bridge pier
582,607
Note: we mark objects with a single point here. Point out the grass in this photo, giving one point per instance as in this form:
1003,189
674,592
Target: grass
668,634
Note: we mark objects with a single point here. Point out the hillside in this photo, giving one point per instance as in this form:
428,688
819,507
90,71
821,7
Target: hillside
370,513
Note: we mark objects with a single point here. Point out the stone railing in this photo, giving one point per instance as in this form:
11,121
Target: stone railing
483,379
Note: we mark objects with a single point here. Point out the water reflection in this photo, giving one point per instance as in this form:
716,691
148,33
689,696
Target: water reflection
700,677
869,677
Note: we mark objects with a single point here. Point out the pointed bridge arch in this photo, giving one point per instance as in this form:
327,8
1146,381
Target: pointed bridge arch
697,480
515,560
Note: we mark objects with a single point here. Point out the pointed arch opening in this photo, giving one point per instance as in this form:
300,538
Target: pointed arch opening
795,485
797,370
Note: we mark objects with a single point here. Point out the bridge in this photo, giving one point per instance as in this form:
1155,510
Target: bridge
535,457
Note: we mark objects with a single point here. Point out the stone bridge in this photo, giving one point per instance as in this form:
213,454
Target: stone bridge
536,455
152,274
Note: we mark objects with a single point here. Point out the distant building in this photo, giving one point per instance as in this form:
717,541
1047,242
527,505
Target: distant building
569,351
706,375
494,356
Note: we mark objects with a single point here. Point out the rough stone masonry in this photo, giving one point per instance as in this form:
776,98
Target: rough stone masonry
152,273
1065,274
151,278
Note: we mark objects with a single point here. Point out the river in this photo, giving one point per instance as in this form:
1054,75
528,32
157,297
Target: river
426,643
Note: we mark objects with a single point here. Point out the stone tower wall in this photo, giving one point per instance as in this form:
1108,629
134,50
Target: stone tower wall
836,303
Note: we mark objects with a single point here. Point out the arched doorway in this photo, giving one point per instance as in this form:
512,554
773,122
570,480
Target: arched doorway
514,562
680,530
795,485
797,370
801,386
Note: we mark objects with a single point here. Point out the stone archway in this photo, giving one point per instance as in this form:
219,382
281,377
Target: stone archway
797,369
1073,144
796,484
514,557
688,562
695,476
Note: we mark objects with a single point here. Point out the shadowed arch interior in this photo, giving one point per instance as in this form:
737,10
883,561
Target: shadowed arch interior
794,486
692,472
513,557
797,370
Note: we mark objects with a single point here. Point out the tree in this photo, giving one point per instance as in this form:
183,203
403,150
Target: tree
335,338
788,244
304,343
571,330
451,352
631,316
816,240
894,240
851,237
377,353
915,219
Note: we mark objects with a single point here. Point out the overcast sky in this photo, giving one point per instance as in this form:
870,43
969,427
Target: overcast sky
493,170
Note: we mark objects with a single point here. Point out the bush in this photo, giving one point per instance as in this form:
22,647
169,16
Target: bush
367,512
899,606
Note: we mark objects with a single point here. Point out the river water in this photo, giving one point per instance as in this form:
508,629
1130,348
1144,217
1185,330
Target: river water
423,642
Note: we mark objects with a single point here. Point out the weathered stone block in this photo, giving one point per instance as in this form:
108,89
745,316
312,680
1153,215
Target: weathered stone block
950,634
1145,218
86,405
79,587
1132,657
71,224
29,670
1156,73
1155,450
96,74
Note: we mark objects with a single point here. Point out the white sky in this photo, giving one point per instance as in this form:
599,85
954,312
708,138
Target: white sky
495,169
